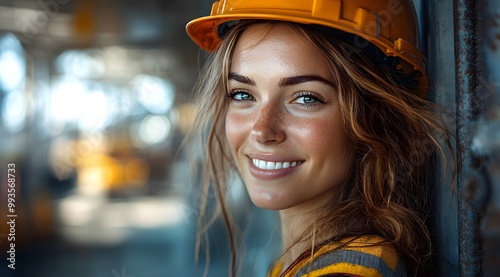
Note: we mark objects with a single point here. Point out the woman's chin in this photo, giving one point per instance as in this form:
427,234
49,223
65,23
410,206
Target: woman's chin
268,201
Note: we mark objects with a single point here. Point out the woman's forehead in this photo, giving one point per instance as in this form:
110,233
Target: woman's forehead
278,46
272,32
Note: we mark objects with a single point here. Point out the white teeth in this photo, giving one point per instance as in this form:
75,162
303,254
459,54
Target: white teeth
262,164
273,165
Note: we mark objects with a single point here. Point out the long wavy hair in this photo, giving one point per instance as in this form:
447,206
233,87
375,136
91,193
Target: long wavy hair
394,131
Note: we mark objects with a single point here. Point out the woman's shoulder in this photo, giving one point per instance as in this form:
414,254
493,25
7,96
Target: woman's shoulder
364,256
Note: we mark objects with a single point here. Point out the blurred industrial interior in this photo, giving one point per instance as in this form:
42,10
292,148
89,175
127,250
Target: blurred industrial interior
96,99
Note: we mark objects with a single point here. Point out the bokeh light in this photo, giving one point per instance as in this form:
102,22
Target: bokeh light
14,111
156,95
67,98
96,114
12,63
80,64
154,129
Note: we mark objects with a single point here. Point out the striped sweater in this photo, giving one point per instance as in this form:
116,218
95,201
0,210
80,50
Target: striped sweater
358,258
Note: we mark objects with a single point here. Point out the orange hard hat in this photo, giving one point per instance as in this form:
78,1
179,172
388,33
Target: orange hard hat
391,25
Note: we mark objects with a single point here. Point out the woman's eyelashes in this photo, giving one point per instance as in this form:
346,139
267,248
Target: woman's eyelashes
309,99
304,99
240,95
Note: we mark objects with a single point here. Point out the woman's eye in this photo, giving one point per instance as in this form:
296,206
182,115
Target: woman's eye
308,99
241,96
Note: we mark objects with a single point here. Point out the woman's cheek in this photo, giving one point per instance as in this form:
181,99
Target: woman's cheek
235,131
315,132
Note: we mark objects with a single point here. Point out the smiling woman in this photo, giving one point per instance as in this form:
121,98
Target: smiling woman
324,126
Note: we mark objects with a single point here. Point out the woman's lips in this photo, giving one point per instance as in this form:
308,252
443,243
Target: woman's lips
271,170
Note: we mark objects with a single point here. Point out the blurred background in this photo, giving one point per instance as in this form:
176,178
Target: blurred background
95,100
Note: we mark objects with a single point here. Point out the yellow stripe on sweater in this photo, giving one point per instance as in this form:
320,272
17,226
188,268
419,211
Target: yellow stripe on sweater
385,252
345,268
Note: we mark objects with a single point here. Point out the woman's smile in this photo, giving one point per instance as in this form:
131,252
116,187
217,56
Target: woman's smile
271,167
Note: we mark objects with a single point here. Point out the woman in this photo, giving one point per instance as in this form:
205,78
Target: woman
320,108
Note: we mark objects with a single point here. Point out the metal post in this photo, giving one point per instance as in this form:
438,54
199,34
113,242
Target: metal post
471,188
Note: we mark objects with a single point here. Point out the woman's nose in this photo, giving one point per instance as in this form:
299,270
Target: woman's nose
268,126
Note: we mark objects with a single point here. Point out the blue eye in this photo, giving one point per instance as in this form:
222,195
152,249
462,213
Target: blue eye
239,95
308,98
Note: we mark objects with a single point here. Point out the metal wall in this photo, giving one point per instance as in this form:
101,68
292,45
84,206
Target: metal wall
463,41
437,32
486,139
471,186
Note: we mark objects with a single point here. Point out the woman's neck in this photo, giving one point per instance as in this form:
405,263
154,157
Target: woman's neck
292,228
295,222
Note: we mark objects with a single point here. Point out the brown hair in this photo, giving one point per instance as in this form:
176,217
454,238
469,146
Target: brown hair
394,131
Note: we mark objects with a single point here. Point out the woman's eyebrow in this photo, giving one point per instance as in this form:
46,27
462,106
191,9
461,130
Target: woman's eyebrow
295,80
241,79
289,81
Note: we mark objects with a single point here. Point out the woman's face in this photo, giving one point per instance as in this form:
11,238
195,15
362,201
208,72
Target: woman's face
283,123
